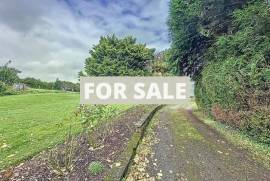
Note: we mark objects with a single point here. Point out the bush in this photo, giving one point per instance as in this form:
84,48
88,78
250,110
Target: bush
6,90
3,87
91,116
254,122
8,75
62,159
234,86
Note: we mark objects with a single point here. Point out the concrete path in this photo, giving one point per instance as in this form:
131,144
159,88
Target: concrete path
187,149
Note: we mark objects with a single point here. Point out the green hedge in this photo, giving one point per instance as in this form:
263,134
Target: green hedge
234,86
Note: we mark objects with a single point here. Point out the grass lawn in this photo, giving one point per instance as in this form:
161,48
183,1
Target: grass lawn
30,123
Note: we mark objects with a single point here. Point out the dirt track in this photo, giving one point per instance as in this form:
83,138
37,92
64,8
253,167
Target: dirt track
187,149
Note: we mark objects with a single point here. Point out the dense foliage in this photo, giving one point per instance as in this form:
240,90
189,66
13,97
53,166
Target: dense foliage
57,85
115,57
233,77
3,87
8,75
187,42
66,86
160,65
37,83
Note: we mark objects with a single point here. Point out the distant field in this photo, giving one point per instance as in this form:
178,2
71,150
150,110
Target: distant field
30,123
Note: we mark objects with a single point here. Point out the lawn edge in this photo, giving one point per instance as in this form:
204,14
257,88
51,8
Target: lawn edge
56,144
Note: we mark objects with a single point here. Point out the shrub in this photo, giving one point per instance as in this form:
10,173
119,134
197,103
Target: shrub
95,168
232,99
98,136
90,116
8,75
62,159
3,87
6,90
230,117
255,123
234,86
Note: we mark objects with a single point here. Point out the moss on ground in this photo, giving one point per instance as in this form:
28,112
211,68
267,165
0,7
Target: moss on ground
183,129
259,151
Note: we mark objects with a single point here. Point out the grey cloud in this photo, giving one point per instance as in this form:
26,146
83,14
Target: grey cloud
22,15
52,39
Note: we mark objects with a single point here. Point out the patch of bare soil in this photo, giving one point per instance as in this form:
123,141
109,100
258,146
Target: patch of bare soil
112,146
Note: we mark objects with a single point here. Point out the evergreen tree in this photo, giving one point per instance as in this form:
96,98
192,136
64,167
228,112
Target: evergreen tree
117,57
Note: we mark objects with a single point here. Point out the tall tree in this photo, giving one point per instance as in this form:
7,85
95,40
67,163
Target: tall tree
187,42
216,16
193,27
58,84
115,57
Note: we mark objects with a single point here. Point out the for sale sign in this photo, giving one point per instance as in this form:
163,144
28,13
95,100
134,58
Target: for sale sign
135,90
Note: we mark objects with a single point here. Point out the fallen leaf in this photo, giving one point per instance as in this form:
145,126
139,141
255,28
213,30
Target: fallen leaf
118,164
159,175
220,152
8,174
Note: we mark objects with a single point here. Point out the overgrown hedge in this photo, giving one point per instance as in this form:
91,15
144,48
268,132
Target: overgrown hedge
234,85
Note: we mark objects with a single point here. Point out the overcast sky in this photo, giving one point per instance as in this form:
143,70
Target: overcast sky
52,38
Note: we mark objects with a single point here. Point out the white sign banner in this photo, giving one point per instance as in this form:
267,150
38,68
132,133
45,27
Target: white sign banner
135,90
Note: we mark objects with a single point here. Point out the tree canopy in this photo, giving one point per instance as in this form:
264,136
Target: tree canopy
193,26
8,75
116,57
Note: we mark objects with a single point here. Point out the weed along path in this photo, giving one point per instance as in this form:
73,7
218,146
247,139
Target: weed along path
178,146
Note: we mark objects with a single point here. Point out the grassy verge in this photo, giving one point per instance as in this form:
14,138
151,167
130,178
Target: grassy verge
11,92
30,123
40,91
259,151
